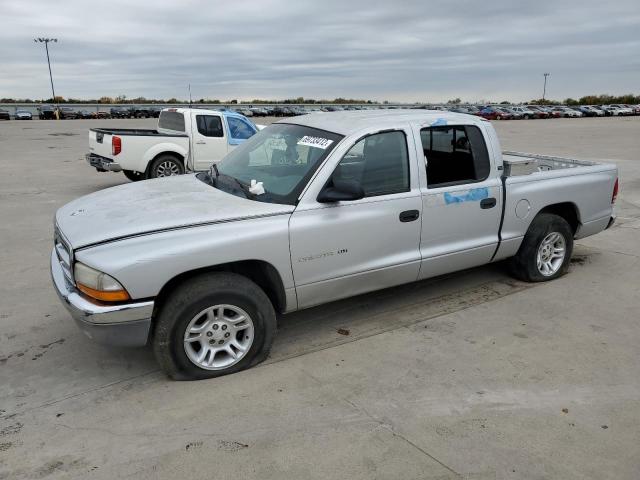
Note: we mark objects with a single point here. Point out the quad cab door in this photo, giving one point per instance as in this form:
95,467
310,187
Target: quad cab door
461,199
209,140
345,248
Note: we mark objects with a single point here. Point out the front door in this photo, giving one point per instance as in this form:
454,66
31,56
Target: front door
209,141
351,247
461,201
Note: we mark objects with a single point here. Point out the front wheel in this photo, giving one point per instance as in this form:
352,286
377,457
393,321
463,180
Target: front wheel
213,325
165,166
545,251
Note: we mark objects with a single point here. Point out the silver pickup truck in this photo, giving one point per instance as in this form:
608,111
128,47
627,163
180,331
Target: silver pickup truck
307,211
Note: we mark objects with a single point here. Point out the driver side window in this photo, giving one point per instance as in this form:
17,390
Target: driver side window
209,125
378,162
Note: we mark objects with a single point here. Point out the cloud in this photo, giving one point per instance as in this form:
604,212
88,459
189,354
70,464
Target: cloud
407,50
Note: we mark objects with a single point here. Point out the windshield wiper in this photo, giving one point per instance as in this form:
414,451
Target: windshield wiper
214,176
244,187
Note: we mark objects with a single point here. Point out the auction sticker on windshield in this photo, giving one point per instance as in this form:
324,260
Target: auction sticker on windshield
317,142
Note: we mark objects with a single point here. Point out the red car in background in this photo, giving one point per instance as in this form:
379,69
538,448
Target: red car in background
540,112
493,113
553,112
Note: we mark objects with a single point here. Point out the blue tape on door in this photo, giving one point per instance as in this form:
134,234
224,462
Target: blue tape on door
473,195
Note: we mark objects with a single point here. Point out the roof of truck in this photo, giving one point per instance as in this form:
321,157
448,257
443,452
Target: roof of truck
346,123
204,111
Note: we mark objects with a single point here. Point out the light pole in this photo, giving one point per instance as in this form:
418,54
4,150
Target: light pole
46,47
544,89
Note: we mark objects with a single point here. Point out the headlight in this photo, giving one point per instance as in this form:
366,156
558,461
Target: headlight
98,285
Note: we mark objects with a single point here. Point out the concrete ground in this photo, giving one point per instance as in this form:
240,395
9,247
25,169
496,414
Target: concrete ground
472,375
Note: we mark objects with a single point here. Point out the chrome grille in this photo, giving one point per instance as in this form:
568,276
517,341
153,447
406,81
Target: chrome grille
64,254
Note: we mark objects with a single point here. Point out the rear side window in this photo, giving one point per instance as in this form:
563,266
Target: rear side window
209,125
239,129
379,162
455,155
171,121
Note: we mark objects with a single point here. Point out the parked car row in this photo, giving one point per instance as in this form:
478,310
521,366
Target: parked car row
518,112
19,115
293,110
136,112
489,111
48,112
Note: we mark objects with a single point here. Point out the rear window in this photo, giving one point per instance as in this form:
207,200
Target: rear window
455,155
171,121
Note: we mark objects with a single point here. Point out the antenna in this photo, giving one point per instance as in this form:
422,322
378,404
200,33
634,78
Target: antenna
190,101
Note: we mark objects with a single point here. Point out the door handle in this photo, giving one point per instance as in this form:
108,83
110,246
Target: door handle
201,143
487,203
409,215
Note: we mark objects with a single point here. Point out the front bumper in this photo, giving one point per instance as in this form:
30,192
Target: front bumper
123,325
102,164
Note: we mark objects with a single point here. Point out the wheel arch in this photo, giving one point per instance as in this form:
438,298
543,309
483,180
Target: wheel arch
262,273
173,154
567,210
156,151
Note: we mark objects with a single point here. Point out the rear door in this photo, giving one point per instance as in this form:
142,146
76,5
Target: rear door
209,140
461,201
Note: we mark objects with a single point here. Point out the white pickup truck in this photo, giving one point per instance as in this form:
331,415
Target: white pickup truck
187,139
307,211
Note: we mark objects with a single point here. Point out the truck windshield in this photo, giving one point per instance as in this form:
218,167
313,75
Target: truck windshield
276,163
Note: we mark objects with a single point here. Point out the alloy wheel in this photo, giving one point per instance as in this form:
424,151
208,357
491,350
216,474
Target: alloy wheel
218,337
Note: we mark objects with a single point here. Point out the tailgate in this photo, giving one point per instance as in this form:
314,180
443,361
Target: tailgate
100,143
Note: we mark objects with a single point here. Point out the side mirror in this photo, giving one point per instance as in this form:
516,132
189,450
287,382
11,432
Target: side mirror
340,191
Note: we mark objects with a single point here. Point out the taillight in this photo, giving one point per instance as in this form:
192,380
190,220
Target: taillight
116,145
615,192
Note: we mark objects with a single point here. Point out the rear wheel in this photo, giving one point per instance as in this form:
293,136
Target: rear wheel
545,251
213,325
165,166
133,176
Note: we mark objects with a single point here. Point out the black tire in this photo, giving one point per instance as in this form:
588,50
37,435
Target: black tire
197,294
133,176
160,165
527,117
524,265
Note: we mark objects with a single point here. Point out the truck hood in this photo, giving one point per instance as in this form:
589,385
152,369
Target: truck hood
153,205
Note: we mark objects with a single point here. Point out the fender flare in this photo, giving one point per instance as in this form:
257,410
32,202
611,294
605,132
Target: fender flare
159,149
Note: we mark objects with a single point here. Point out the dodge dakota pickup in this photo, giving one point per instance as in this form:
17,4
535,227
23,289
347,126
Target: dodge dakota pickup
187,139
308,211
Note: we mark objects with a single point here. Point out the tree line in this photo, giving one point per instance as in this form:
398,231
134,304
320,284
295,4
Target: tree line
603,99
122,99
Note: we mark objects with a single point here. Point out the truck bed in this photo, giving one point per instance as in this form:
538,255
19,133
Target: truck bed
138,132
518,163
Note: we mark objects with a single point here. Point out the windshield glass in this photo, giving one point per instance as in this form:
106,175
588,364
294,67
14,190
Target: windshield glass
275,164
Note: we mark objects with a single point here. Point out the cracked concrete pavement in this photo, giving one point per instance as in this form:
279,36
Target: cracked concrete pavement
472,375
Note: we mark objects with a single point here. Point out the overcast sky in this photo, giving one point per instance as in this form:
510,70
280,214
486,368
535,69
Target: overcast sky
402,50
